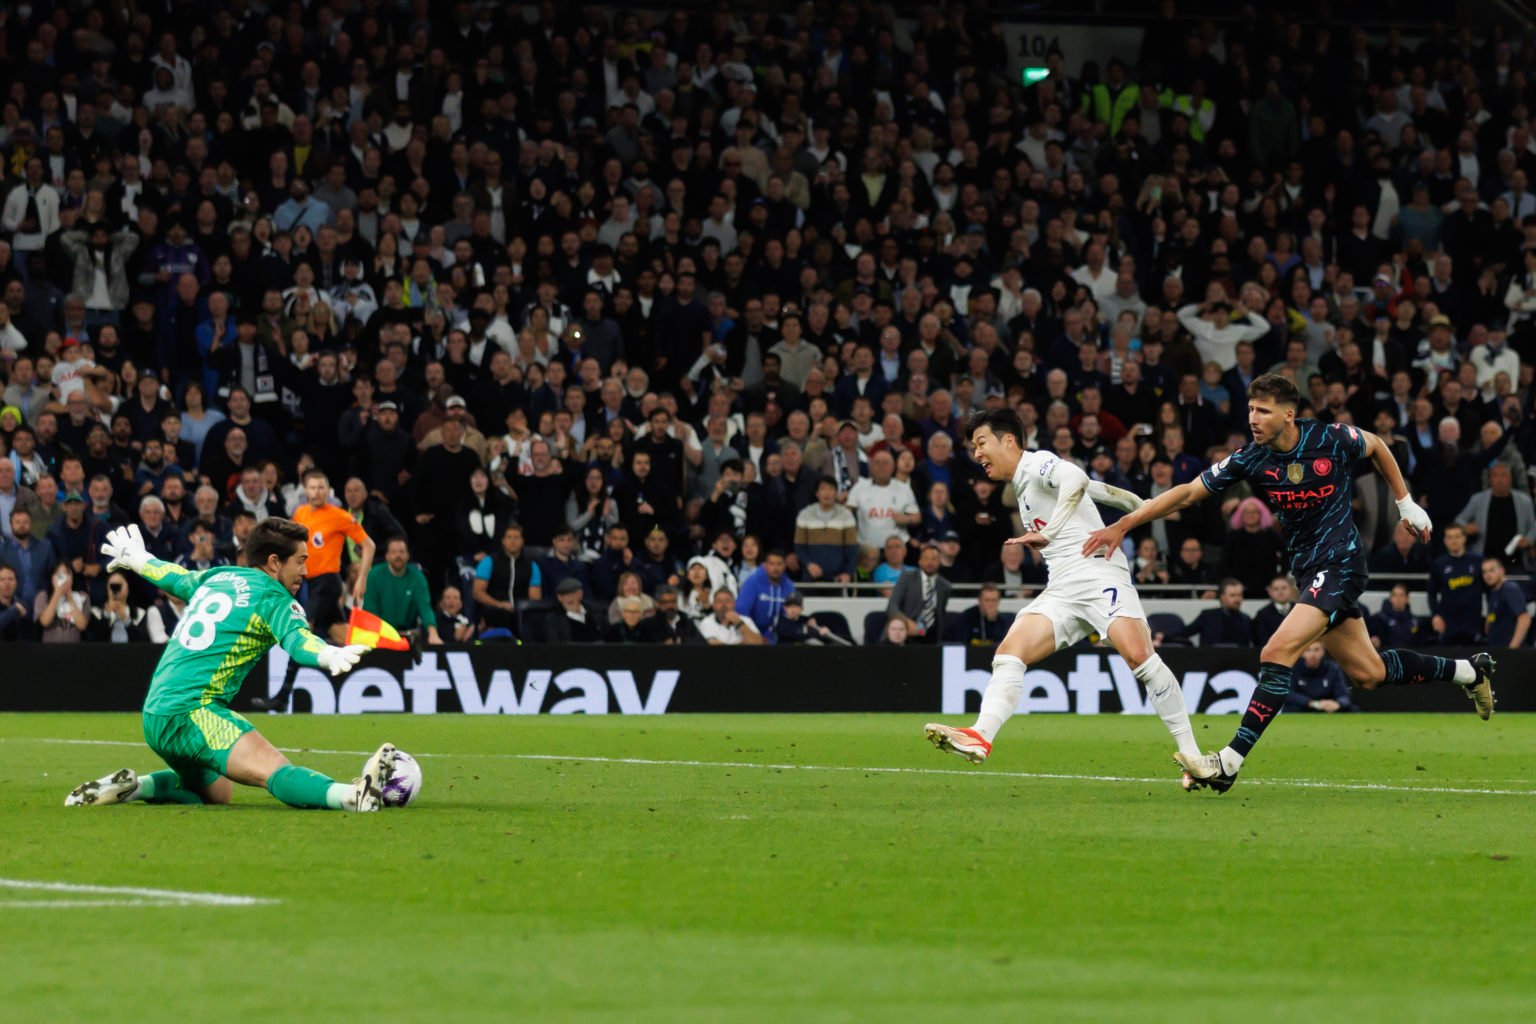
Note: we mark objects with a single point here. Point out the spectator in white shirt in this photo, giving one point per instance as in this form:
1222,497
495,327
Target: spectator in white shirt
31,214
884,506
1216,333
724,627
1096,273
1520,298
11,340
1492,358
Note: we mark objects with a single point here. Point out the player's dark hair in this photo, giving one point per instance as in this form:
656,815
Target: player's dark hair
1275,387
308,473
999,421
274,536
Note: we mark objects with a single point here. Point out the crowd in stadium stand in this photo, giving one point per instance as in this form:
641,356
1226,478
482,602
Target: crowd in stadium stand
615,325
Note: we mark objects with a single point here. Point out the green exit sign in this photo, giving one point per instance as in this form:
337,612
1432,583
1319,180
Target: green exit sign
1036,74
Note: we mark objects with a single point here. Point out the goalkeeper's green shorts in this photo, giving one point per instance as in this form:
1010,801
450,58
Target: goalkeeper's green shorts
196,744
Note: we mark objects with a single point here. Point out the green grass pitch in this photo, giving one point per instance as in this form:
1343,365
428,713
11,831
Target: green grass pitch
1366,868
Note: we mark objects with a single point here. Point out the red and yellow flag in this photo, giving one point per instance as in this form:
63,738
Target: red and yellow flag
368,629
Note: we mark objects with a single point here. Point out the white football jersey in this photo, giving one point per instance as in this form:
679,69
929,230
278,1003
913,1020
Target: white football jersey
1037,485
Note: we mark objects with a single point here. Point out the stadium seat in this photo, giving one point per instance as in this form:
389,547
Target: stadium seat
837,622
532,621
874,628
1171,626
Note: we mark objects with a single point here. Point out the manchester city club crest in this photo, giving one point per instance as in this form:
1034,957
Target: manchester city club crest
1293,472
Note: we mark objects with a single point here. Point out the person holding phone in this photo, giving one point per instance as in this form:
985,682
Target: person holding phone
63,613
120,621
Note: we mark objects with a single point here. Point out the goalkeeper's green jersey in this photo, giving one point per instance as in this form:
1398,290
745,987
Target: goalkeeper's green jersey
233,616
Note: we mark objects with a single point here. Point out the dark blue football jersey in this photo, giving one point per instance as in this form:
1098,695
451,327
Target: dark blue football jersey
1309,488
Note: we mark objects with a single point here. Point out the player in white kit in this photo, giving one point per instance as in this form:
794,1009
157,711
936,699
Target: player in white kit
1083,596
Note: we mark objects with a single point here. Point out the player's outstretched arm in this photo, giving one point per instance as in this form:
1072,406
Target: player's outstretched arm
1165,504
125,547
1382,459
310,651
1114,497
291,631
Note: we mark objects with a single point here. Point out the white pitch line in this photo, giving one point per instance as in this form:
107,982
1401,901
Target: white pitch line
1050,776
1365,787
162,896
73,904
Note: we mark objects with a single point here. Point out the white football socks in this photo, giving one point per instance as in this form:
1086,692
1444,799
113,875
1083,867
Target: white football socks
1004,691
1466,675
1168,698
1231,760
341,796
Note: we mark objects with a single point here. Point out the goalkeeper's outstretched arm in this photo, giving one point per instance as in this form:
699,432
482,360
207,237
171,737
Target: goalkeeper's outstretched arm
310,651
293,634
125,547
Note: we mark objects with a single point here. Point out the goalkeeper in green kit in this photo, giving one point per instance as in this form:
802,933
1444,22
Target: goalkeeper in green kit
232,617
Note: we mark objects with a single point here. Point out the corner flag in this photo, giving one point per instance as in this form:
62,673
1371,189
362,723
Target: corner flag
370,630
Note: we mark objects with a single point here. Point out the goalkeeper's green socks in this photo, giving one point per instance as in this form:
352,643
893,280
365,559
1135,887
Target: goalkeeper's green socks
294,786
305,787
164,787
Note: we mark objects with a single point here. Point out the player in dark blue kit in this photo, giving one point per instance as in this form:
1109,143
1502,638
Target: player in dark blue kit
1302,470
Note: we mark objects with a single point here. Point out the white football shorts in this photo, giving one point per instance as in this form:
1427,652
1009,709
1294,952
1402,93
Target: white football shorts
1085,603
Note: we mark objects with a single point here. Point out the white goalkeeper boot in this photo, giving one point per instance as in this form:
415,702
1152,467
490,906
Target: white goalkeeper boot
368,791
121,785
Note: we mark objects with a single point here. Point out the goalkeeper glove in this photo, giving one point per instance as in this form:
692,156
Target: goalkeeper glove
125,546
339,660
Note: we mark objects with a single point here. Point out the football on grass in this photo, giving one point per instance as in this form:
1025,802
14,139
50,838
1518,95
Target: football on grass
405,785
